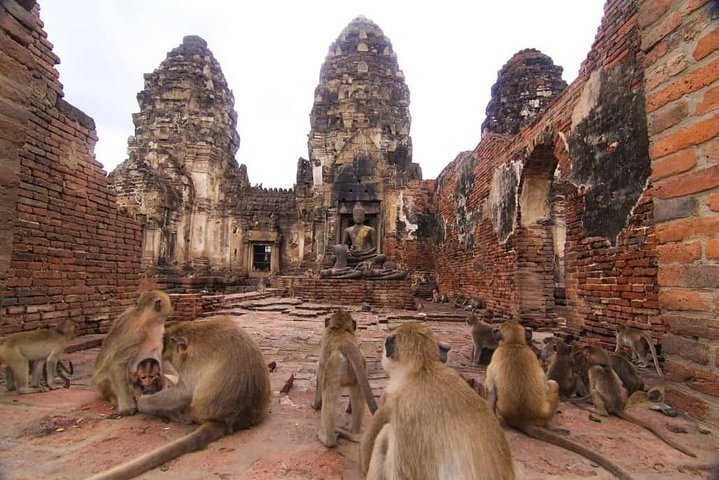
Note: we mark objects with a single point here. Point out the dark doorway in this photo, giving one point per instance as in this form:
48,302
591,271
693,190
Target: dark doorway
261,257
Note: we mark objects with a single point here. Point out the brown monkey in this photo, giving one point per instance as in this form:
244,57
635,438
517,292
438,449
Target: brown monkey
135,336
43,347
610,397
341,364
562,370
520,394
63,372
147,379
483,341
632,338
627,372
432,425
223,385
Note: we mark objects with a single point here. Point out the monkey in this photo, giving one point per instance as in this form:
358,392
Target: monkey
261,286
432,424
341,364
632,338
223,384
476,303
147,379
521,396
609,395
547,352
63,372
562,370
483,341
135,336
627,372
436,297
43,347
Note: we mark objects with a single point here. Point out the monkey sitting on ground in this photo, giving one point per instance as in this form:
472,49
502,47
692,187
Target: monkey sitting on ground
432,425
483,341
135,336
562,370
634,338
43,347
627,372
341,364
520,394
223,384
610,397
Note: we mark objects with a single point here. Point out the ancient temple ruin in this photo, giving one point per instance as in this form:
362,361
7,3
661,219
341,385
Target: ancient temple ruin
583,207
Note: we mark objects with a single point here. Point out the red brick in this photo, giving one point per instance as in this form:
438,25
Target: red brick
712,201
679,252
671,299
707,44
710,152
689,82
712,249
668,25
667,117
651,12
673,164
694,182
694,276
693,5
685,229
709,102
695,134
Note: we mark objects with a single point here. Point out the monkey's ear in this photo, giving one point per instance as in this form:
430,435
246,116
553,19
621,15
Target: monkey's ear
497,334
389,346
180,343
158,305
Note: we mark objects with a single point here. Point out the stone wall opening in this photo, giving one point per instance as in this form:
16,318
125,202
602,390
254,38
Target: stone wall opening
538,266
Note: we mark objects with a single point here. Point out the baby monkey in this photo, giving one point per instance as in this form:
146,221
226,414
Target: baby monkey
147,379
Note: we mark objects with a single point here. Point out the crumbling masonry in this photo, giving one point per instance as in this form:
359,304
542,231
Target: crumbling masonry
583,208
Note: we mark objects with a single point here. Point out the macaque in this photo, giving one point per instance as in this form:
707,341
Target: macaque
43,347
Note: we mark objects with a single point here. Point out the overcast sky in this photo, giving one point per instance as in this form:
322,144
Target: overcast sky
271,53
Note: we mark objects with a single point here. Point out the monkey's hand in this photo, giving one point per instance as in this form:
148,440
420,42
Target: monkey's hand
317,405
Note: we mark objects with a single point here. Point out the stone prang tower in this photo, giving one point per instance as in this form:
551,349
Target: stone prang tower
359,142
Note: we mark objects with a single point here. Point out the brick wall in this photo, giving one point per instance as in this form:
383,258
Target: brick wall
378,293
680,44
72,255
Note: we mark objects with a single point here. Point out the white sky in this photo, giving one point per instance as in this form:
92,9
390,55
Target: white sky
271,53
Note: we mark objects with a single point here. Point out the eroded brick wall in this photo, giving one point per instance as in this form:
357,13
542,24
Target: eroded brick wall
72,255
680,44
588,255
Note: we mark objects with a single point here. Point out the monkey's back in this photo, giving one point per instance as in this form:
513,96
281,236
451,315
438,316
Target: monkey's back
522,397
232,382
441,421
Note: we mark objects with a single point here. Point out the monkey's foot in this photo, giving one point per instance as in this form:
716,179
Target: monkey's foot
317,405
347,435
127,411
327,442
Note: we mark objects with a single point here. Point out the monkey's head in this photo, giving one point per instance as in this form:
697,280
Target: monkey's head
155,300
341,320
148,373
511,332
174,348
562,348
595,355
68,328
411,347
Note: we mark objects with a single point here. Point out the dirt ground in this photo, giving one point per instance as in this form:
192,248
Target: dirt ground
70,434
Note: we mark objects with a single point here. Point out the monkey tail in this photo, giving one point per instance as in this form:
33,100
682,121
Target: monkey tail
654,354
657,432
69,369
351,352
545,435
200,438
